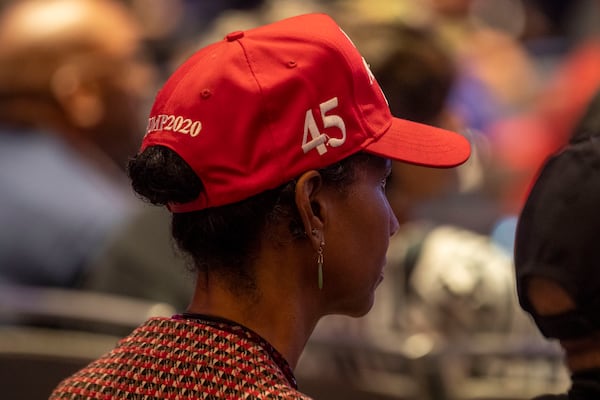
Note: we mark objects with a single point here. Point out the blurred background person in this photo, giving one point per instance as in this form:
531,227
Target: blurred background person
72,84
556,255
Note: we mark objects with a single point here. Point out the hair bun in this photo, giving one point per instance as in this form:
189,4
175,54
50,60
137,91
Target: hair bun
160,176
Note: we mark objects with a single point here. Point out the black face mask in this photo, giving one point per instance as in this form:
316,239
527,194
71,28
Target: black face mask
558,237
570,325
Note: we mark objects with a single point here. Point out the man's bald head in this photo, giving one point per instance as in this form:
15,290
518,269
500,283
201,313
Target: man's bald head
38,36
73,66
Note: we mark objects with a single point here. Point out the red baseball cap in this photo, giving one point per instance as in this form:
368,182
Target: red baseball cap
262,106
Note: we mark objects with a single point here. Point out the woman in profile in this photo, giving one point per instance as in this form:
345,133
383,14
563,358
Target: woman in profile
271,148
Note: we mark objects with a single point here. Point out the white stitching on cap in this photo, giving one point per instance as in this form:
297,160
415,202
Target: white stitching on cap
174,123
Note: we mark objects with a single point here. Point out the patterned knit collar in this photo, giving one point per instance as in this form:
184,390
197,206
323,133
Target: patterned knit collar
240,330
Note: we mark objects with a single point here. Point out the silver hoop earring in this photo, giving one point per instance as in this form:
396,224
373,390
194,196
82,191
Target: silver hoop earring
320,265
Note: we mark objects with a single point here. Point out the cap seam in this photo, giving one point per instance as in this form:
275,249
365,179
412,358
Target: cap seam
260,90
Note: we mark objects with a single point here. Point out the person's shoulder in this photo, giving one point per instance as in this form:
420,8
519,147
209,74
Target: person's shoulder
45,174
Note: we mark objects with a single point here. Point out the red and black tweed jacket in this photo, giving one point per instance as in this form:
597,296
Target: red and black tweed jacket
182,359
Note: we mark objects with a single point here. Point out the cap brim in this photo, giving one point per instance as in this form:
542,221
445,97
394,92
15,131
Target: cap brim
421,144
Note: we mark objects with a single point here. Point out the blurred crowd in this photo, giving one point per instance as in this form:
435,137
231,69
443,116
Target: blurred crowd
513,76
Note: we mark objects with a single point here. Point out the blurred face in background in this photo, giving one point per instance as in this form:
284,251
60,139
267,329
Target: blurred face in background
85,57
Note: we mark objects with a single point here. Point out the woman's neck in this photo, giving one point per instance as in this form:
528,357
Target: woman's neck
276,316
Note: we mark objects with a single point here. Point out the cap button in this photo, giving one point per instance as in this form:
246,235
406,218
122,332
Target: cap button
234,36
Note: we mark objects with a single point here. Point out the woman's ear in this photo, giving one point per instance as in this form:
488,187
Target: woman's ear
311,205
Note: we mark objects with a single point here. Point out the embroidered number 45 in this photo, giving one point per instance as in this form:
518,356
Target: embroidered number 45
319,140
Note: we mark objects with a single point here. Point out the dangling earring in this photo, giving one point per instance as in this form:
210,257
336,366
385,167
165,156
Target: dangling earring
320,265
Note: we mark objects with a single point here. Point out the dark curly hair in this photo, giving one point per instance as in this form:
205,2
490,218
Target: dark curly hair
225,238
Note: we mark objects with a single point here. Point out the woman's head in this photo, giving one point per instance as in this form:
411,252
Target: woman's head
345,202
276,127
